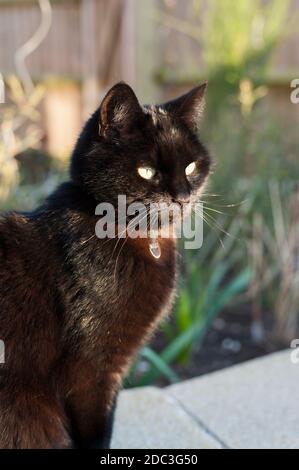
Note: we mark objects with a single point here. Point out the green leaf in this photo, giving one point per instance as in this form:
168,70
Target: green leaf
238,284
183,311
159,367
196,331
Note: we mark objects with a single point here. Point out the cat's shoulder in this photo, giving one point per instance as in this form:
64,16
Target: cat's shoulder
14,227
12,222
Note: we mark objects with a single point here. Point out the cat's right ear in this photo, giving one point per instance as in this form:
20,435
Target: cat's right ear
119,110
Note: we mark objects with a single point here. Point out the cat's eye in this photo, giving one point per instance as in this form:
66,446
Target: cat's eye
189,170
146,172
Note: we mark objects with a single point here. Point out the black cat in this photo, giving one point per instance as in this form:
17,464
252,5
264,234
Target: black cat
75,309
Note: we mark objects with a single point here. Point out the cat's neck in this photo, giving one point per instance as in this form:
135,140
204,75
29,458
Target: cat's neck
70,210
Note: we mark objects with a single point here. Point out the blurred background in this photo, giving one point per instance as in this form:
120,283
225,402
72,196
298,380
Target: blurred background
239,294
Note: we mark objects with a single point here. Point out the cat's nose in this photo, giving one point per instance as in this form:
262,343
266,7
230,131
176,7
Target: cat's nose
182,197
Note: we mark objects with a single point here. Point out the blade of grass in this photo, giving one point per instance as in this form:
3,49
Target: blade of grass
159,365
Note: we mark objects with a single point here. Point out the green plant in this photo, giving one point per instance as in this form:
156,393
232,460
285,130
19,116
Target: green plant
273,248
236,41
239,37
19,130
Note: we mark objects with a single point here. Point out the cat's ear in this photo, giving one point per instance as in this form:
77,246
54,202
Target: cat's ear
189,107
119,110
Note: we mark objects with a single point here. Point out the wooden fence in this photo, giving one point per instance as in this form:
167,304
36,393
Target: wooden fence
84,52
94,43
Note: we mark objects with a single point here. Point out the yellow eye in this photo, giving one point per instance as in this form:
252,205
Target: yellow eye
190,169
146,172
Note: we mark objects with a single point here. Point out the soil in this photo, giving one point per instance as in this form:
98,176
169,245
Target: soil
230,340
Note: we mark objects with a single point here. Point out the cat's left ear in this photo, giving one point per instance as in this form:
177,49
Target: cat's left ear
189,107
119,110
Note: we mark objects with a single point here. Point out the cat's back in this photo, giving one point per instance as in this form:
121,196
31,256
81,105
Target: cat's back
27,301
26,262
13,240
19,243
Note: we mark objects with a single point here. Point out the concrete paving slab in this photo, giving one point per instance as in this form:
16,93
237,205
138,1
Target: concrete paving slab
147,418
252,405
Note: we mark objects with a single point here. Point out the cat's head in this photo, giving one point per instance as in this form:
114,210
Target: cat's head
149,153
